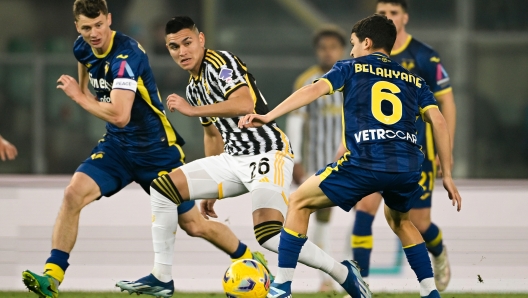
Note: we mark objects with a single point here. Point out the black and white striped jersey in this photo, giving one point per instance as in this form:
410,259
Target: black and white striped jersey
221,73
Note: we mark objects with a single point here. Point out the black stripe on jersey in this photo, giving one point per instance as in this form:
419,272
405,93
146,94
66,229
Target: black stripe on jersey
221,57
214,57
261,107
230,91
212,61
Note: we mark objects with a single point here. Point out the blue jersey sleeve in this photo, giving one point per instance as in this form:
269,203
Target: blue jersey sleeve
337,76
126,68
434,73
426,99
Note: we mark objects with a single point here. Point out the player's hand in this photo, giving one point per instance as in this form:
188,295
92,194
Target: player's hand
253,120
7,150
70,86
452,191
178,103
207,208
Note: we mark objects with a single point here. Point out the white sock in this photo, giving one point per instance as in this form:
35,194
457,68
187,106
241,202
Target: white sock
284,275
164,226
321,238
313,256
427,286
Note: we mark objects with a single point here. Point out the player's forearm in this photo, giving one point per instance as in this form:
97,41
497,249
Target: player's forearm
299,98
442,142
225,109
448,106
102,110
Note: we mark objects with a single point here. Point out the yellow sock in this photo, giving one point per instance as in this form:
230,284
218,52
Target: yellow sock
54,271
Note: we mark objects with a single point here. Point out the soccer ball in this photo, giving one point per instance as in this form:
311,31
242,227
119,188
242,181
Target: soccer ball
246,279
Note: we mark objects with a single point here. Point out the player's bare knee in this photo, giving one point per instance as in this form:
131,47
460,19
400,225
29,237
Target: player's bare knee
73,200
194,229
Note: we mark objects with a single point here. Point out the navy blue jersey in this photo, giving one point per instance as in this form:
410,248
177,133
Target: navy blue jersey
422,60
125,66
381,102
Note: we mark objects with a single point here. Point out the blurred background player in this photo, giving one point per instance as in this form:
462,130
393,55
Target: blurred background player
7,150
422,60
315,130
140,145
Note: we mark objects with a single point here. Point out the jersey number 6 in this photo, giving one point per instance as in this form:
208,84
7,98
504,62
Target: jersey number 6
263,167
379,95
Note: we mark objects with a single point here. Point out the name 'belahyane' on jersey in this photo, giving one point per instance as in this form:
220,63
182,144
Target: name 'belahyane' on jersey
221,74
384,139
125,66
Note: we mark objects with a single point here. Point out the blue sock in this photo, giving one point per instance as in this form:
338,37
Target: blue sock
362,241
290,247
418,258
241,251
57,264
433,240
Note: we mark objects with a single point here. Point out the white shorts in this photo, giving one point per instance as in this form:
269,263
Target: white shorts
223,176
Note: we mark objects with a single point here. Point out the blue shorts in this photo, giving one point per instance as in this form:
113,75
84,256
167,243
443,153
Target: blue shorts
113,167
427,181
346,184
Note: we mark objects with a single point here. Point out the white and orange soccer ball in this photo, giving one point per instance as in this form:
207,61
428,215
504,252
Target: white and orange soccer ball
246,279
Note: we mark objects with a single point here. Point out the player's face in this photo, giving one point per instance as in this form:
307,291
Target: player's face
96,32
329,50
395,13
359,49
186,47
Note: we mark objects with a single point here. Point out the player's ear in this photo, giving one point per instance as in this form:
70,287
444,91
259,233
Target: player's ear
77,27
405,18
201,38
109,19
367,44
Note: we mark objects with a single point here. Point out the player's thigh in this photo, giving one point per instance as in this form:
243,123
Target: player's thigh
268,177
310,196
369,204
109,166
209,178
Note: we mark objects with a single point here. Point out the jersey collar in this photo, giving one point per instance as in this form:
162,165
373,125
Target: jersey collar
380,54
109,47
402,48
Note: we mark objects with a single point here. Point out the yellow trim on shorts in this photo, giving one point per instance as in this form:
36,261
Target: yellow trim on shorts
220,191
284,198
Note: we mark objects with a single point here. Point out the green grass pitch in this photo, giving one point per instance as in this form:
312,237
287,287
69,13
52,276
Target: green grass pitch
219,295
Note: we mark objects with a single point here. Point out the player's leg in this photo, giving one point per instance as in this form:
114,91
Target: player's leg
432,236
101,174
294,245
362,240
321,238
399,198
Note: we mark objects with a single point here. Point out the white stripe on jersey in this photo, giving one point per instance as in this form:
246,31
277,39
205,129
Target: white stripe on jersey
322,125
221,74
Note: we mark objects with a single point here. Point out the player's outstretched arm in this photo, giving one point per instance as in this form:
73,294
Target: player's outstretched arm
84,78
443,145
238,103
116,112
299,98
7,150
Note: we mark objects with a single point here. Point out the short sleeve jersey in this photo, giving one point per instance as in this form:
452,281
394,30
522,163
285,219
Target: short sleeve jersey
221,74
424,61
125,66
381,103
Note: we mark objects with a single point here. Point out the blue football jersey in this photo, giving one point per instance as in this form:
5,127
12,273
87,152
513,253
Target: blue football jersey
381,103
125,66
424,61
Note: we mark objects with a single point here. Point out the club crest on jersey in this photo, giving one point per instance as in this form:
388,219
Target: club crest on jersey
408,64
226,74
